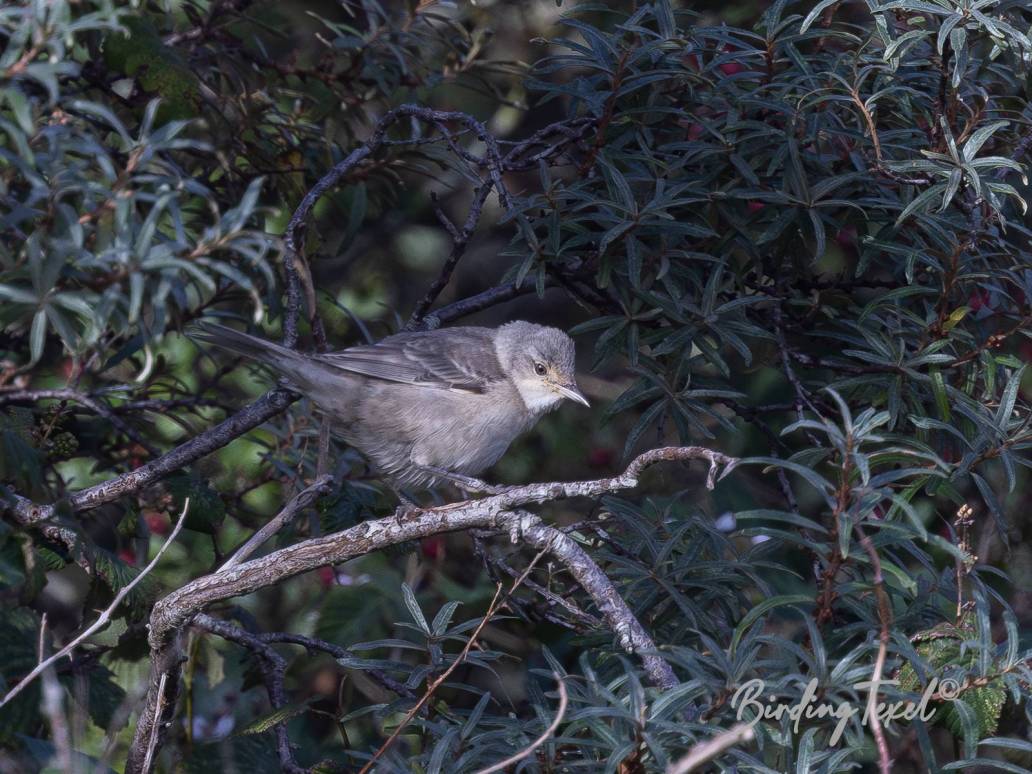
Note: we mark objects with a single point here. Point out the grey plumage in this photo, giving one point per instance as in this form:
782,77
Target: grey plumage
416,404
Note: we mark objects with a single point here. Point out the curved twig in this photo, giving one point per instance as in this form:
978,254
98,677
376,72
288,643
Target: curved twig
545,736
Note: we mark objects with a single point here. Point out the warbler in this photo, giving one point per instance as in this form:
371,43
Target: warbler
430,405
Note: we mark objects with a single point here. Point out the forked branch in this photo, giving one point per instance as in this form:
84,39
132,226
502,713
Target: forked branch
500,513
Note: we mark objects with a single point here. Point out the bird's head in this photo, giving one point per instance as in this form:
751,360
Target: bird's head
540,362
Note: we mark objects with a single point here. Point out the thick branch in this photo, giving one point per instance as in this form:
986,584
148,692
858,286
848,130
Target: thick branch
629,632
492,512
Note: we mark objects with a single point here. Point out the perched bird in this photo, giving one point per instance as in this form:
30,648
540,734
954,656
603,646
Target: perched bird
426,406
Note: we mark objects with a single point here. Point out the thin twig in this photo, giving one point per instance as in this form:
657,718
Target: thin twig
273,668
885,621
706,751
460,238
338,652
545,736
152,742
497,603
435,683
52,704
104,617
294,236
94,405
300,501
269,405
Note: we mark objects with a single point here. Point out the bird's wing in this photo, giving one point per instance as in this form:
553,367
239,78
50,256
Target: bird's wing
452,359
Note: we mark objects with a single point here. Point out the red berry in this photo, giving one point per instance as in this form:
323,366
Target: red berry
731,68
601,457
846,237
978,299
157,522
327,577
432,547
755,206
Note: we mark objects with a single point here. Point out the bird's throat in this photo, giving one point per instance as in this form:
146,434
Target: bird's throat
538,398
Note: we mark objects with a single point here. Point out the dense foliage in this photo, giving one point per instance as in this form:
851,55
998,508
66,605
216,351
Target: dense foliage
802,242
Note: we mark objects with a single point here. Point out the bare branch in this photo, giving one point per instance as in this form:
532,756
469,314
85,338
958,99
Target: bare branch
152,739
248,418
295,232
459,241
629,632
94,405
492,512
53,708
300,501
338,652
496,512
272,666
477,303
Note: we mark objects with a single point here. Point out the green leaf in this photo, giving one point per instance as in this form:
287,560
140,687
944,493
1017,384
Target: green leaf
815,12
765,606
413,607
270,719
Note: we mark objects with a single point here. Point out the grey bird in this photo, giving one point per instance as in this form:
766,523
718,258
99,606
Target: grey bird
432,405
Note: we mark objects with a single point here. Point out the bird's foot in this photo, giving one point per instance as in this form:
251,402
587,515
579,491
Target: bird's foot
407,507
467,484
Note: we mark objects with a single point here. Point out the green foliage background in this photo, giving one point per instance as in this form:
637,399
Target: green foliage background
795,232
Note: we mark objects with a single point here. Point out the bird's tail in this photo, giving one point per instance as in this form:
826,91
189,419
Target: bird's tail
285,361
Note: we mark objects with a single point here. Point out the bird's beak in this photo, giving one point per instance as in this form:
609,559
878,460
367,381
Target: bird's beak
570,391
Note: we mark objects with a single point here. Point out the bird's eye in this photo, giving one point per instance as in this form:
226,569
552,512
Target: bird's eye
539,369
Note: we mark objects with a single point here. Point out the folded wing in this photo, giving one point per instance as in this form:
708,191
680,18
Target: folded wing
461,359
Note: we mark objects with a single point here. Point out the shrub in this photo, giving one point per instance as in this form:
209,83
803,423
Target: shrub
803,244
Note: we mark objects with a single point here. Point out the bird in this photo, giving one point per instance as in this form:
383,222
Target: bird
427,406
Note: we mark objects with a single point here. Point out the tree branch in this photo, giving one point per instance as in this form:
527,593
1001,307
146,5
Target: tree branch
272,666
460,238
94,405
170,614
248,418
294,237
300,501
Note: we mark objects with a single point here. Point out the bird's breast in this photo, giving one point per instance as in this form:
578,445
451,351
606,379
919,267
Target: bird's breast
467,432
